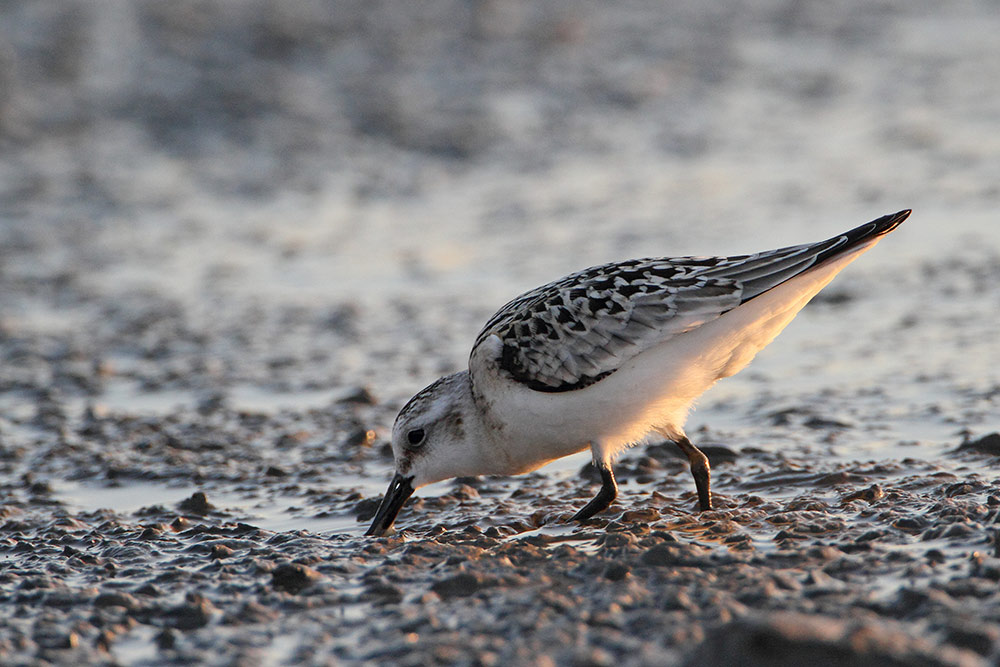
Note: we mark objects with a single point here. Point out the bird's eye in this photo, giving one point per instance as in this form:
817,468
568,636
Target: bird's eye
415,437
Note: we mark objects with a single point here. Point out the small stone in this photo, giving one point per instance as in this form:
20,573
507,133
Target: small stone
165,639
645,515
988,444
294,577
910,524
220,551
616,571
149,533
869,495
959,530
211,403
958,489
191,615
358,396
718,454
383,592
40,489
343,320
365,509
909,600
617,540
290,440
251,612
463,492
460,585
870,536
116,599
673,555
823,423
149,590
196,504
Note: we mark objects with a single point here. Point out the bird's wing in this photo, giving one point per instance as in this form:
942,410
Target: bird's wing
575,331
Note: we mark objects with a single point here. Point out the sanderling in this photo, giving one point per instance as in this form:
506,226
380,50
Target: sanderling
603,357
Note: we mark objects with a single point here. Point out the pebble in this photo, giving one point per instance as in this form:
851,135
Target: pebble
869,495
194,613
381,591
221,551
463,584
197,503
116,599
674,555
165,639
988,444
294,577
616,571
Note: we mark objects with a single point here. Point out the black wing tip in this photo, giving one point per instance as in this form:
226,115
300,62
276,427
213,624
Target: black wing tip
887,223
866,232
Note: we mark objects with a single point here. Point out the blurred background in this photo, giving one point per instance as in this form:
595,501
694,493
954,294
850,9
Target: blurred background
294,195
235,235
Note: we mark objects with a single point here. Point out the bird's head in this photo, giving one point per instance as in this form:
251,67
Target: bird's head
431,442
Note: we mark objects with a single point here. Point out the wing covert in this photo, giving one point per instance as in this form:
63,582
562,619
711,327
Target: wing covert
574,332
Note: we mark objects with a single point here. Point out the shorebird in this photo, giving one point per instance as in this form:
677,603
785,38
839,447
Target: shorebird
603,357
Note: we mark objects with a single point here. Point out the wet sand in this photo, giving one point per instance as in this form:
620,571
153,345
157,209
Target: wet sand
234,240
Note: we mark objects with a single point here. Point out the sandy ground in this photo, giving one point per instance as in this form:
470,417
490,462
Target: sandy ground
235,237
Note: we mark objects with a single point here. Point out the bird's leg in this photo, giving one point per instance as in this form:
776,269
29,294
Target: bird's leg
700,470
604,497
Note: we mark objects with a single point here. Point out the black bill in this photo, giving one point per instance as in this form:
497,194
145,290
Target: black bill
400,488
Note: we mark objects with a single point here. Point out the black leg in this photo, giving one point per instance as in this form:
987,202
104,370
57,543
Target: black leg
700,470
604,497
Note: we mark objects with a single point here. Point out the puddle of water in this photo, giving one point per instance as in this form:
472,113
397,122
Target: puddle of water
339,524
578,536
124,499
128,499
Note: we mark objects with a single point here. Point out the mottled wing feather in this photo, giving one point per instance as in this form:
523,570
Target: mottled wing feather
760,272
575,331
